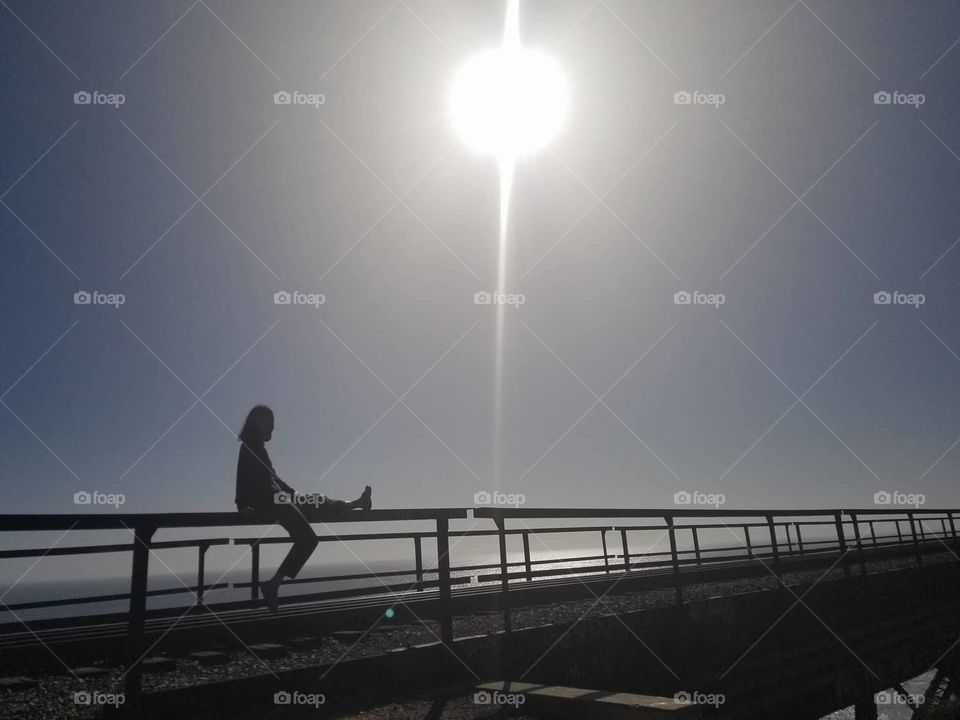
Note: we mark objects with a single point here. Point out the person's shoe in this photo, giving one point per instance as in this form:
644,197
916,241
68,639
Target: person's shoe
366,498
269,591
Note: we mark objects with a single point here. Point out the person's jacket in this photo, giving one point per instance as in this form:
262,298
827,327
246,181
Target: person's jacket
257,482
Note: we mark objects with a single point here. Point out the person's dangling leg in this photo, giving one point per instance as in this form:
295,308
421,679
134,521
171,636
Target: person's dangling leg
305,542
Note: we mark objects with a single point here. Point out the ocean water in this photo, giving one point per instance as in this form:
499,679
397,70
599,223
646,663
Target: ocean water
27,590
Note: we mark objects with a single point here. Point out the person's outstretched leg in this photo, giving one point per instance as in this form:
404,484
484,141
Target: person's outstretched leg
318,511
304,543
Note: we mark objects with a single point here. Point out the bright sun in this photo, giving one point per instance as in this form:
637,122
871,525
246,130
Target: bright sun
509,101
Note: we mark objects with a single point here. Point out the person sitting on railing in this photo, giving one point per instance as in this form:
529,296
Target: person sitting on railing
262,495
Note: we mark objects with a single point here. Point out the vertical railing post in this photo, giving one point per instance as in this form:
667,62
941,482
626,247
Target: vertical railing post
746,536
255,570
913,534
201,561
674,558
856,535
842,542
953,528
696,546
443,577
786,526
418,557
626,550
504,578
773,544
796,526
603,541
142,535
943,526
899,534
526,555
873,533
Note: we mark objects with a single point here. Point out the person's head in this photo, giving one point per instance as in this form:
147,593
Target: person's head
258,427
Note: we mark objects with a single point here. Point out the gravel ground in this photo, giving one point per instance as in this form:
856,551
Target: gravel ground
53,697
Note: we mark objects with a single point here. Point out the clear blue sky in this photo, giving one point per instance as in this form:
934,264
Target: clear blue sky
694,198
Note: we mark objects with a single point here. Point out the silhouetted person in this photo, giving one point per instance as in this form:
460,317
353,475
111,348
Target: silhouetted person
263,496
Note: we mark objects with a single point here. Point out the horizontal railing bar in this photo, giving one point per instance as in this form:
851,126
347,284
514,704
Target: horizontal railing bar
116,521
93,549
333,538
107,598
113,521
199,542
461,580
505,512
83,550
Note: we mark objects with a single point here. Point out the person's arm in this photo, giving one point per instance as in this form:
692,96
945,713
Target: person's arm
282,485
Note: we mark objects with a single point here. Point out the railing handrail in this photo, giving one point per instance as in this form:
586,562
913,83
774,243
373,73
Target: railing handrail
551,513
121,521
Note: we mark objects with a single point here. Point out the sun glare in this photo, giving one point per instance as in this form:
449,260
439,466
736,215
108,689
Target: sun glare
509,101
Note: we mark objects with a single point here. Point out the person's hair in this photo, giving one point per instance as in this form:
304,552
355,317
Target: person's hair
251,426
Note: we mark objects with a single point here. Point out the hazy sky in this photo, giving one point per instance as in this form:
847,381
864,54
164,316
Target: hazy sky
199,198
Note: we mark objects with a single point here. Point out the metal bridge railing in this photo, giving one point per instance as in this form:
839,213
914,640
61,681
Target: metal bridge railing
773,537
